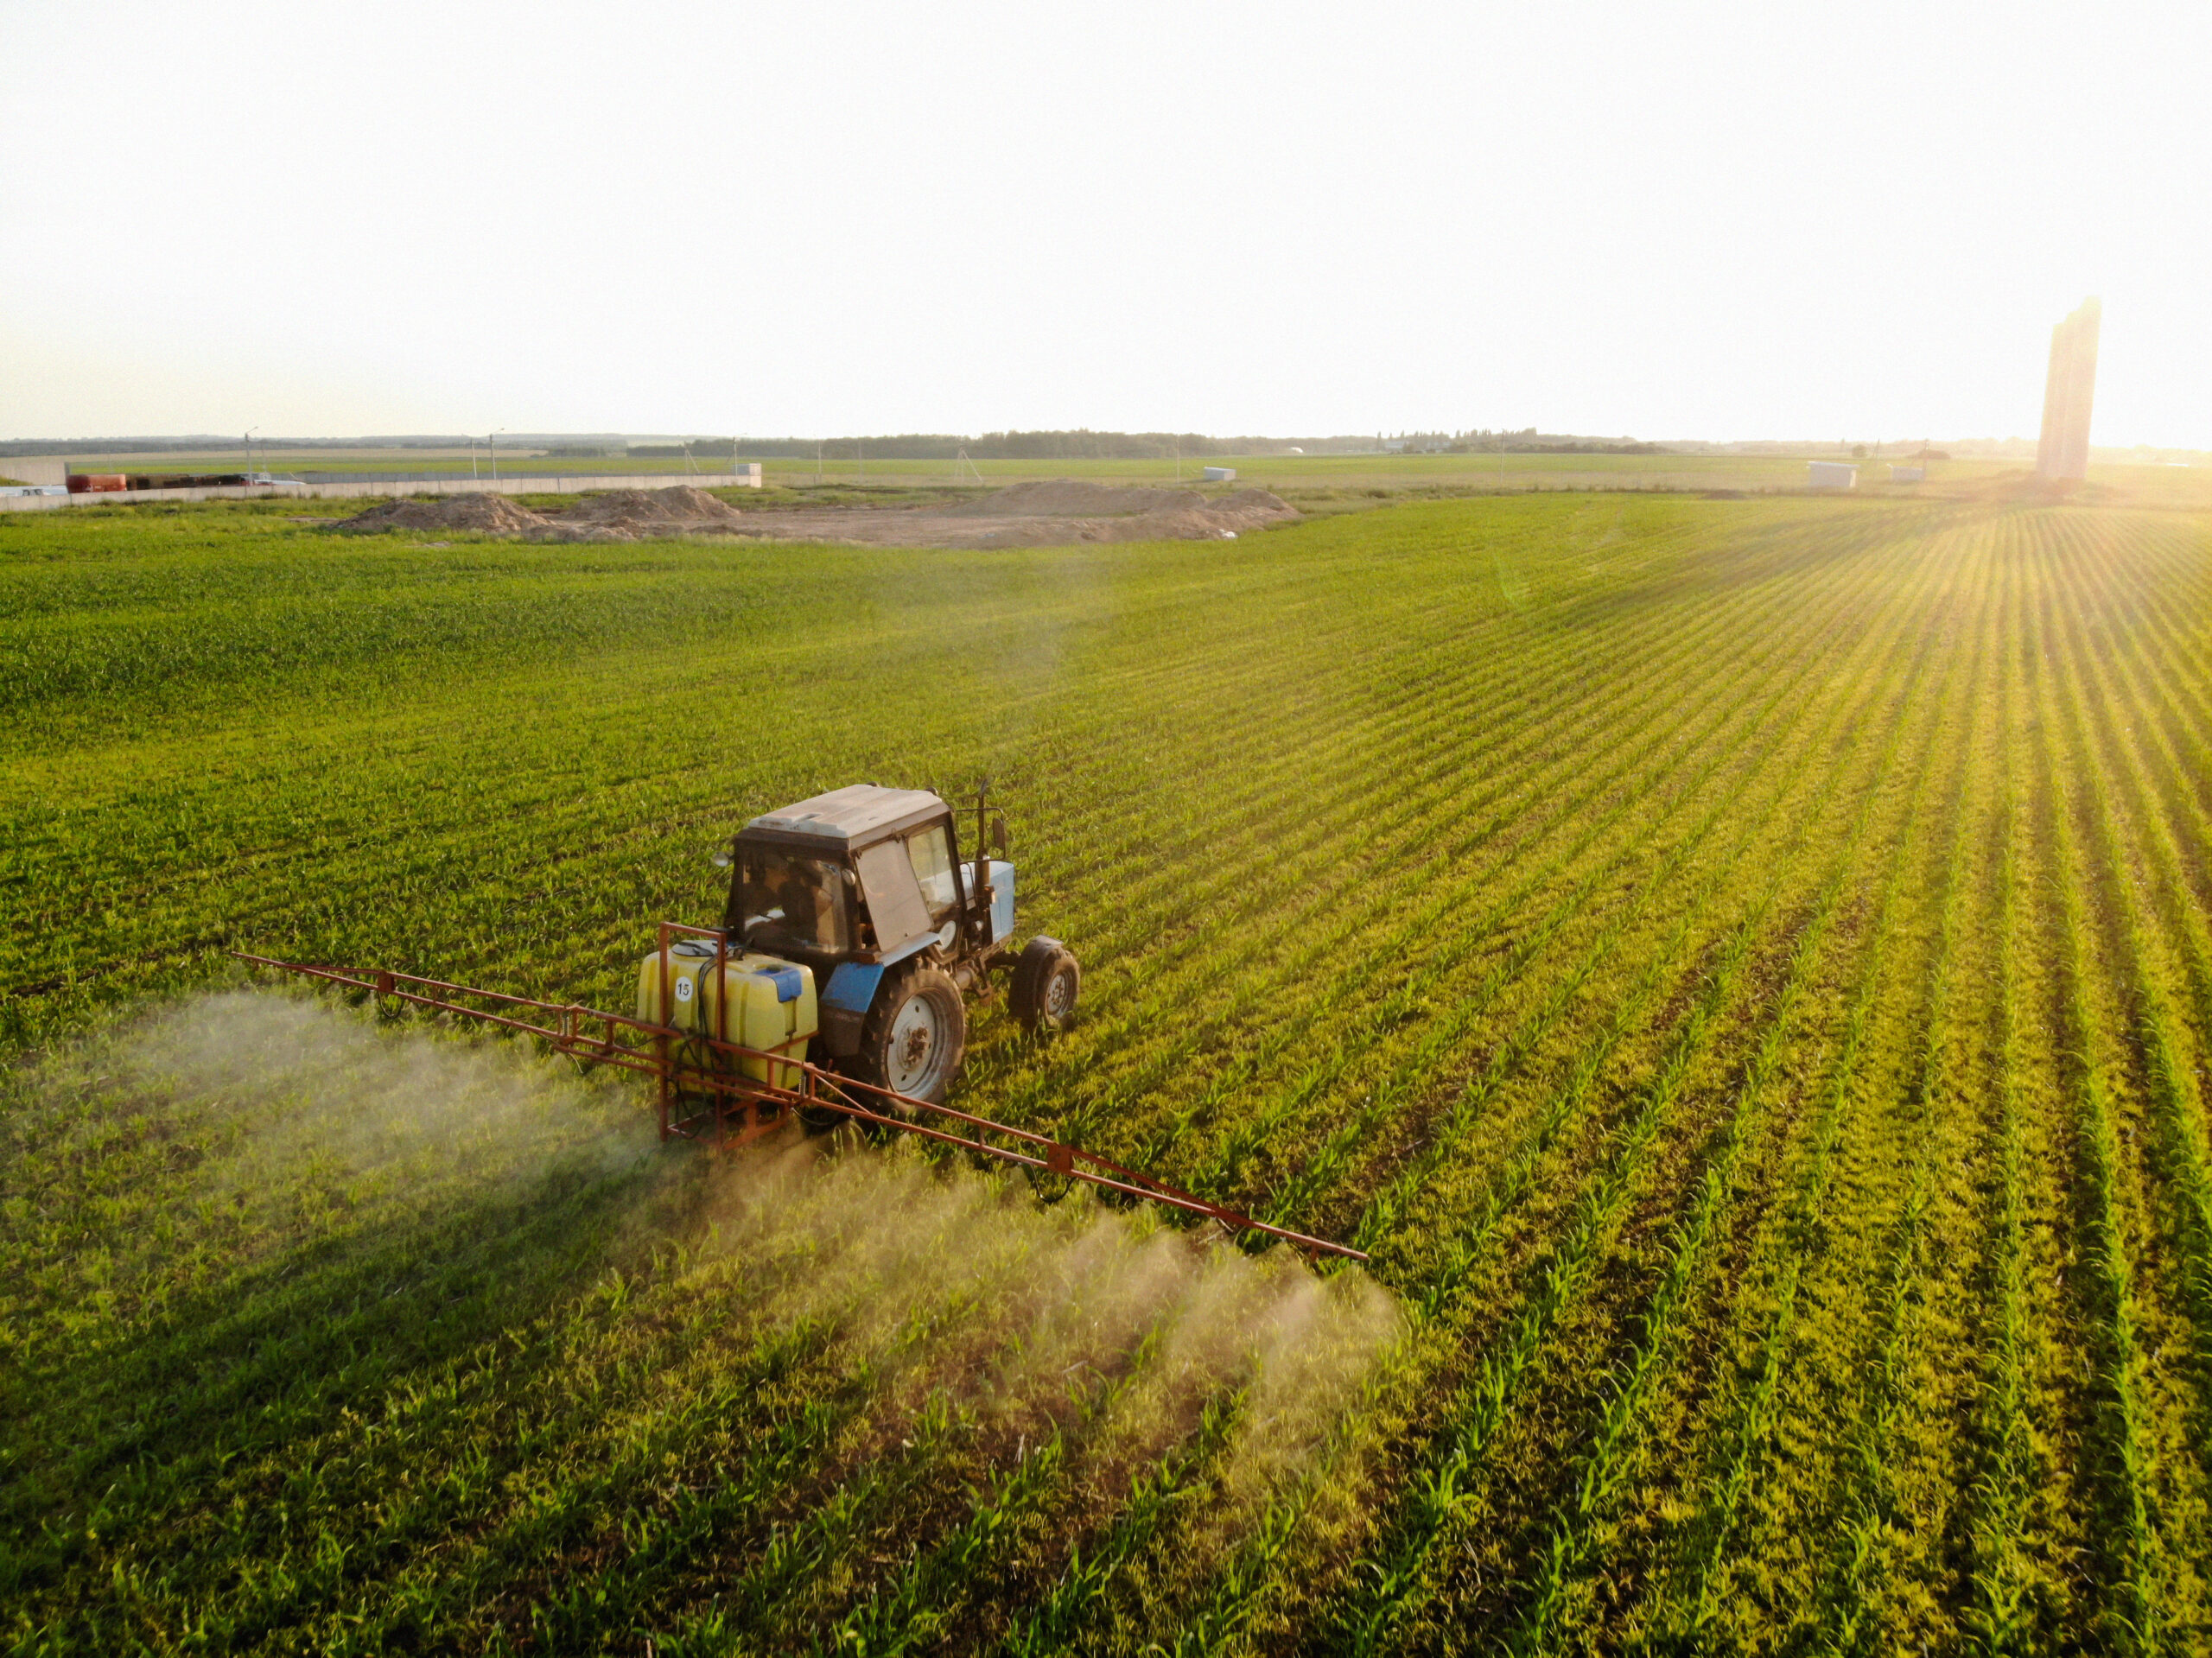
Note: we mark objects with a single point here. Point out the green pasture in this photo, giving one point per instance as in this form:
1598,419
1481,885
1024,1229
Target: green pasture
1741,967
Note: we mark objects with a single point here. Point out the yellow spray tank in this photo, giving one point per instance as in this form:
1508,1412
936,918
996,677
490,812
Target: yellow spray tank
760,1002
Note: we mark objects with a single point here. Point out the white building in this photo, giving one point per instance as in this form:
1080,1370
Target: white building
1220,474
1831,475
1907,474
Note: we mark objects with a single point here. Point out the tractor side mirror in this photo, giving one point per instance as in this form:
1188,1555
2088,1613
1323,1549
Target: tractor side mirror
1000,840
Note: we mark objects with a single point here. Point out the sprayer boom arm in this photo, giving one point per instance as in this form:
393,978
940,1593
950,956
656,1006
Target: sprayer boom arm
742,1108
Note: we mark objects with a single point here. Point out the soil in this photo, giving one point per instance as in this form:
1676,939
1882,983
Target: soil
490,515
639,512
1048,513
617,514
1071,497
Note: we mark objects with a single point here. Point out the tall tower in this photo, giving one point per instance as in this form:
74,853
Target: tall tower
2063,452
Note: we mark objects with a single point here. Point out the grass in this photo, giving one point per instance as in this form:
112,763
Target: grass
1742,966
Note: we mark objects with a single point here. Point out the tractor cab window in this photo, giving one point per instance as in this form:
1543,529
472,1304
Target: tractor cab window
786,901
929,850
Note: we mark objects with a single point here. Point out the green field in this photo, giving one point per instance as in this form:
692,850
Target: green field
1744,968
1316,482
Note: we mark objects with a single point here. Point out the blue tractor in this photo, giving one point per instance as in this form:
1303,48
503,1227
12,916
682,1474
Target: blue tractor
865,892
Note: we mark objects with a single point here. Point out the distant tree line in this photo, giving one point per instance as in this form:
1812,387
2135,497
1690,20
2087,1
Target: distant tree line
1527,440
1081,444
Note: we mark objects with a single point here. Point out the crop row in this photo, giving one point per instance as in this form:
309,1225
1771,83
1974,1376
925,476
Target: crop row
1741,968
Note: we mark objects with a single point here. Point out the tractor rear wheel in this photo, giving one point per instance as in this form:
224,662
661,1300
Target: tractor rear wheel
915,1036
1047,983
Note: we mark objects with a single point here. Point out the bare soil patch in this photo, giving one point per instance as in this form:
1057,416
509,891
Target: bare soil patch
1047,513
1071,498
1069,508
639,512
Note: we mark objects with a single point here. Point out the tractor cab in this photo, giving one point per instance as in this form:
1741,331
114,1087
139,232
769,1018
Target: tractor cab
865,888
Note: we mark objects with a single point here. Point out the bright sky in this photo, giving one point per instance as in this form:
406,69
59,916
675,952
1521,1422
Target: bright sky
1716,220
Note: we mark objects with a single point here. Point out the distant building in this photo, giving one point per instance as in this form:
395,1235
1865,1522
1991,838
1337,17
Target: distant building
1220,474
1907,474
2063,452
1831,475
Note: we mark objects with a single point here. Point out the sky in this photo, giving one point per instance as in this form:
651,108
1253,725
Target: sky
1697,220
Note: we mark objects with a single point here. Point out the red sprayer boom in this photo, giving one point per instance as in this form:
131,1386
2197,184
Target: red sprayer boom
705,1094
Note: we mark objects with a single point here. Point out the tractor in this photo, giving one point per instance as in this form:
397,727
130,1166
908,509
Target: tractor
862,893
853,923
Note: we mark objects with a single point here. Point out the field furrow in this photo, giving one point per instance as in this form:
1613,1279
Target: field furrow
1743,968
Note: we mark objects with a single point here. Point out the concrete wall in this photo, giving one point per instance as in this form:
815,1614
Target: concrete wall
36,468
530,484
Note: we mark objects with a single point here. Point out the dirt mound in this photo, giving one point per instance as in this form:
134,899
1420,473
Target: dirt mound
1071,497
651,512
490,515
1223,517
618,515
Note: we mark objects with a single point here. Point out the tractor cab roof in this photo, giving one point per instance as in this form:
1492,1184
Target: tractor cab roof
850,817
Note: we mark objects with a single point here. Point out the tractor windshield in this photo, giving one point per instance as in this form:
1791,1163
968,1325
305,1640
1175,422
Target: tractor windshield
786,901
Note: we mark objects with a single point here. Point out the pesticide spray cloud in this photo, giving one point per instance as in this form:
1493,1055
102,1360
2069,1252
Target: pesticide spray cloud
1024,1316
289,1088
1111,1338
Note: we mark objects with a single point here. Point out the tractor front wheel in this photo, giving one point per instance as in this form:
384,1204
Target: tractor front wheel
915,1037
1046,981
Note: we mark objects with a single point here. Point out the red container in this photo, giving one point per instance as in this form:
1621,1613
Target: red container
88,483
